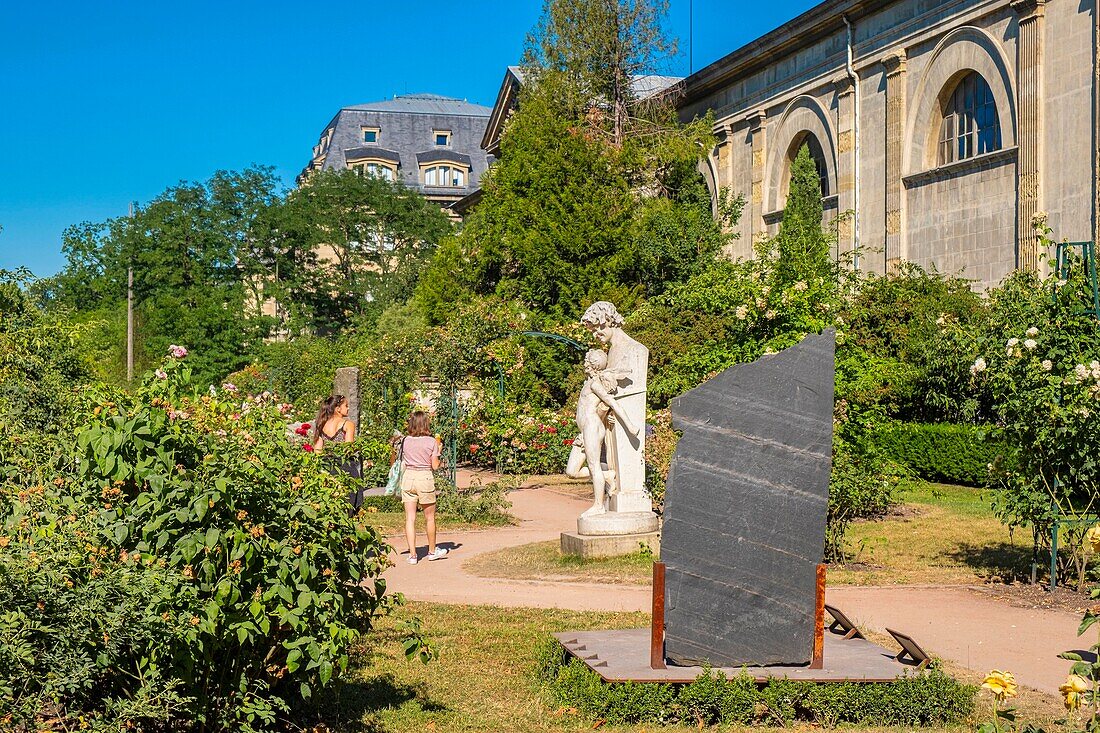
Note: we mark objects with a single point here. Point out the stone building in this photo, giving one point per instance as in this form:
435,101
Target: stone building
940,127
428,142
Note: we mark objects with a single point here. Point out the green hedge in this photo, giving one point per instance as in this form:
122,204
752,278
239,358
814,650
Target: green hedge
955,454
927,699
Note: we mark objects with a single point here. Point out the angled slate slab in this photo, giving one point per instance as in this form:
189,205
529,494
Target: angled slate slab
744,515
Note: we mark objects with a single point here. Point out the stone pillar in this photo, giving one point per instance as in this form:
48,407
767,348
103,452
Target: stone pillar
758,133
1029,74
723,164
347,384
895,132
845,163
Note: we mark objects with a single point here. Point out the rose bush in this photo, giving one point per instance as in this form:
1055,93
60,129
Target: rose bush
181,561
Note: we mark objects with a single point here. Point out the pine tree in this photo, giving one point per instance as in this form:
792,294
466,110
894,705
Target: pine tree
802,244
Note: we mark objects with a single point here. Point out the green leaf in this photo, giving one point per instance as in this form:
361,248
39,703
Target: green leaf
1086,623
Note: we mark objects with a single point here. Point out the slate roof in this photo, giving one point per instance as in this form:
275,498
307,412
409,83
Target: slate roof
371,151
424,104
406,134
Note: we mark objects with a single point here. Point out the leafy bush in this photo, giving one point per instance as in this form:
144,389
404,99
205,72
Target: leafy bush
485,504
957,454
185,562
925,699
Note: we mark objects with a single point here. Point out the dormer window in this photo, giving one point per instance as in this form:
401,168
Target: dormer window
445,175
370,134
442,138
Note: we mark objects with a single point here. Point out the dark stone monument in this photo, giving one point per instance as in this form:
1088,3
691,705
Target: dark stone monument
744,523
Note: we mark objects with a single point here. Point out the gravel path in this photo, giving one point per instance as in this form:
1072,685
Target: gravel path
956,623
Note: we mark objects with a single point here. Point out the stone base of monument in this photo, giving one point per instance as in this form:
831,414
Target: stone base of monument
614,545
624,656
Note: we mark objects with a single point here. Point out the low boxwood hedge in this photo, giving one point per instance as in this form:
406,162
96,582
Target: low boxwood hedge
945,452
929,698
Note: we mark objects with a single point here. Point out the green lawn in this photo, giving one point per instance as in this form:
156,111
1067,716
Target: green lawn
482,679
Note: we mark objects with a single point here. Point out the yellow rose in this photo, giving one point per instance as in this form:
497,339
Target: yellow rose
1001,684
1075,686
1092,538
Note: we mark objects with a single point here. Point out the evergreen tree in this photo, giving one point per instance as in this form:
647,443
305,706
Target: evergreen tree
802,246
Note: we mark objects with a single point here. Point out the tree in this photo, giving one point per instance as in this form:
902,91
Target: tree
802,246
602,46
571,214
189,250
346,247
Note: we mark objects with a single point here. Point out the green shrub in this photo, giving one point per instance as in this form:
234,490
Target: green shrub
181,561
956,454
930,698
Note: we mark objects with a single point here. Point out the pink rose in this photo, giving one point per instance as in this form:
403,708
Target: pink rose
177,352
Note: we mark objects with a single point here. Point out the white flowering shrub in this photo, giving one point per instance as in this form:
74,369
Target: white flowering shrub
1040,363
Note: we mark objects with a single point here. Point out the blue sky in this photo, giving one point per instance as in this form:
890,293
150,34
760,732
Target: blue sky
103,103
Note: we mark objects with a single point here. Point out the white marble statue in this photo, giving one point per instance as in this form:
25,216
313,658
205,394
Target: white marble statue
624,443
597,410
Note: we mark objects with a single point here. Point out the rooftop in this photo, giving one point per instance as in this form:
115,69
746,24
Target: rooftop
424,104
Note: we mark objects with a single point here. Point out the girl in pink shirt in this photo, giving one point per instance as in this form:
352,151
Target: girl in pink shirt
420,453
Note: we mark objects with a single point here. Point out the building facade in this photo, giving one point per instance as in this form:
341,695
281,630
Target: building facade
429,143
940,127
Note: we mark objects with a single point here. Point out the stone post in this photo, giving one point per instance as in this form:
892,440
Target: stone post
895,132
1029,65
845,162
347,384
758,133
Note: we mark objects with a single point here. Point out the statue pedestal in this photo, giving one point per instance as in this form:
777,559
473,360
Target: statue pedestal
629,525
613,545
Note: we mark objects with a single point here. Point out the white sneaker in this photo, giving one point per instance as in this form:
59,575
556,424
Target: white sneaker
413,560
437,553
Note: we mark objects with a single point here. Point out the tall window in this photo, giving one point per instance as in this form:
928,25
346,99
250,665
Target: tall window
444,175
970,124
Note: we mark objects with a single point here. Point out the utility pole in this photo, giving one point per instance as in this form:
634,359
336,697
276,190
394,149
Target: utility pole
130,315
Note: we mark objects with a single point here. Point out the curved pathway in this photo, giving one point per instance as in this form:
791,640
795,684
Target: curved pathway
953,622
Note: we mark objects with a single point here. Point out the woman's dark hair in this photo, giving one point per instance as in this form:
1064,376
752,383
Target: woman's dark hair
419,423
326,411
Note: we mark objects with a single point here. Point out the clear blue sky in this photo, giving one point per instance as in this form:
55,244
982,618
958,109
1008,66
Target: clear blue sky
102,103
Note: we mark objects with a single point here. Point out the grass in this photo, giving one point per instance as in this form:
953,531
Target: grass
482,678
392,523
544,561
941,534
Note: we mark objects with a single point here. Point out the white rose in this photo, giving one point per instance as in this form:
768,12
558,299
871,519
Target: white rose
742,312
977,366
770,315
1030,344
1047,365
1081,371
1033,331
1013,341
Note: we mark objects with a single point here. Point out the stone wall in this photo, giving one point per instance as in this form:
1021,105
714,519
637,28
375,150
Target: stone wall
972,217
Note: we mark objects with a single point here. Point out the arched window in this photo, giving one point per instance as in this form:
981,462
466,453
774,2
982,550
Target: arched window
374,170
444,175
970,123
